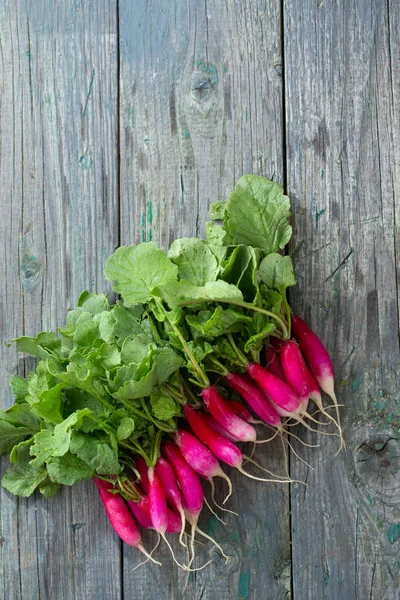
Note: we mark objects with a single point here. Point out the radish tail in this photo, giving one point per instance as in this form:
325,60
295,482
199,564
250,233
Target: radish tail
229,482
183,518
212,511
208,537
216,503
266,480
314,420
298,456
253,462
149,556
164,537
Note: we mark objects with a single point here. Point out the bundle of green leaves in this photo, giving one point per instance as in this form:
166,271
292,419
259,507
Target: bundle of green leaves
112,381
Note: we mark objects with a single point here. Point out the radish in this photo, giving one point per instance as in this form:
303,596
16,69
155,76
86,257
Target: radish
254,398
319,362
141,468
295,372
223,413
242,411
221,447
190,485
284,400
158,509
121,517
201,459
218,428
168,479
273,361
141,511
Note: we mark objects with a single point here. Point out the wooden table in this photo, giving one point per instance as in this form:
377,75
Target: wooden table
121,121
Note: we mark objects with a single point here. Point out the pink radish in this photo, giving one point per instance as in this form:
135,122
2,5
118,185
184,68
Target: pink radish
296,372
168,479
273,361
201,459
121,517
141,511
191,490
318,360
188,479
190,485
141,468
316,355
241,410
223,413
158,509
254,398
221,447
284,400
218,428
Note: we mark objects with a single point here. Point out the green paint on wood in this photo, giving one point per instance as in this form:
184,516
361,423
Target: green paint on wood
133,117
371,499
224,69
187,135
244,585
86,161
318,215
212,526
30,268
209,69
393,533
357,382
89,92
378,405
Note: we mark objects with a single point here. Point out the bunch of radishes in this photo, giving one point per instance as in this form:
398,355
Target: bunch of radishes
170,494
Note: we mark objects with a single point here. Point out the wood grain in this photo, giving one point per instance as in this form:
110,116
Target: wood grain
201,104
342,124
58,170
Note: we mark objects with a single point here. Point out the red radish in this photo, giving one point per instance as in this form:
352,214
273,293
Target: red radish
223,413
241,410
191,490
120,517
174,521
277,343
254,398
273,361
221,447
141,511
190,485
158,509
218,428
197,455
168,479
315,392
316,355
284,400
141,467
188,479
318,360
296,372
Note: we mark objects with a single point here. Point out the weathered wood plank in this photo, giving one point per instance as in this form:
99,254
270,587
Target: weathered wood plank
58,171
342,108
201,104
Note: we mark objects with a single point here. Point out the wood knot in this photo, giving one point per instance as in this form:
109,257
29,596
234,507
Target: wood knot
378,465
204,79
30,268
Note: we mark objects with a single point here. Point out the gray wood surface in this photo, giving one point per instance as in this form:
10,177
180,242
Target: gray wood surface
122,121
342,125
